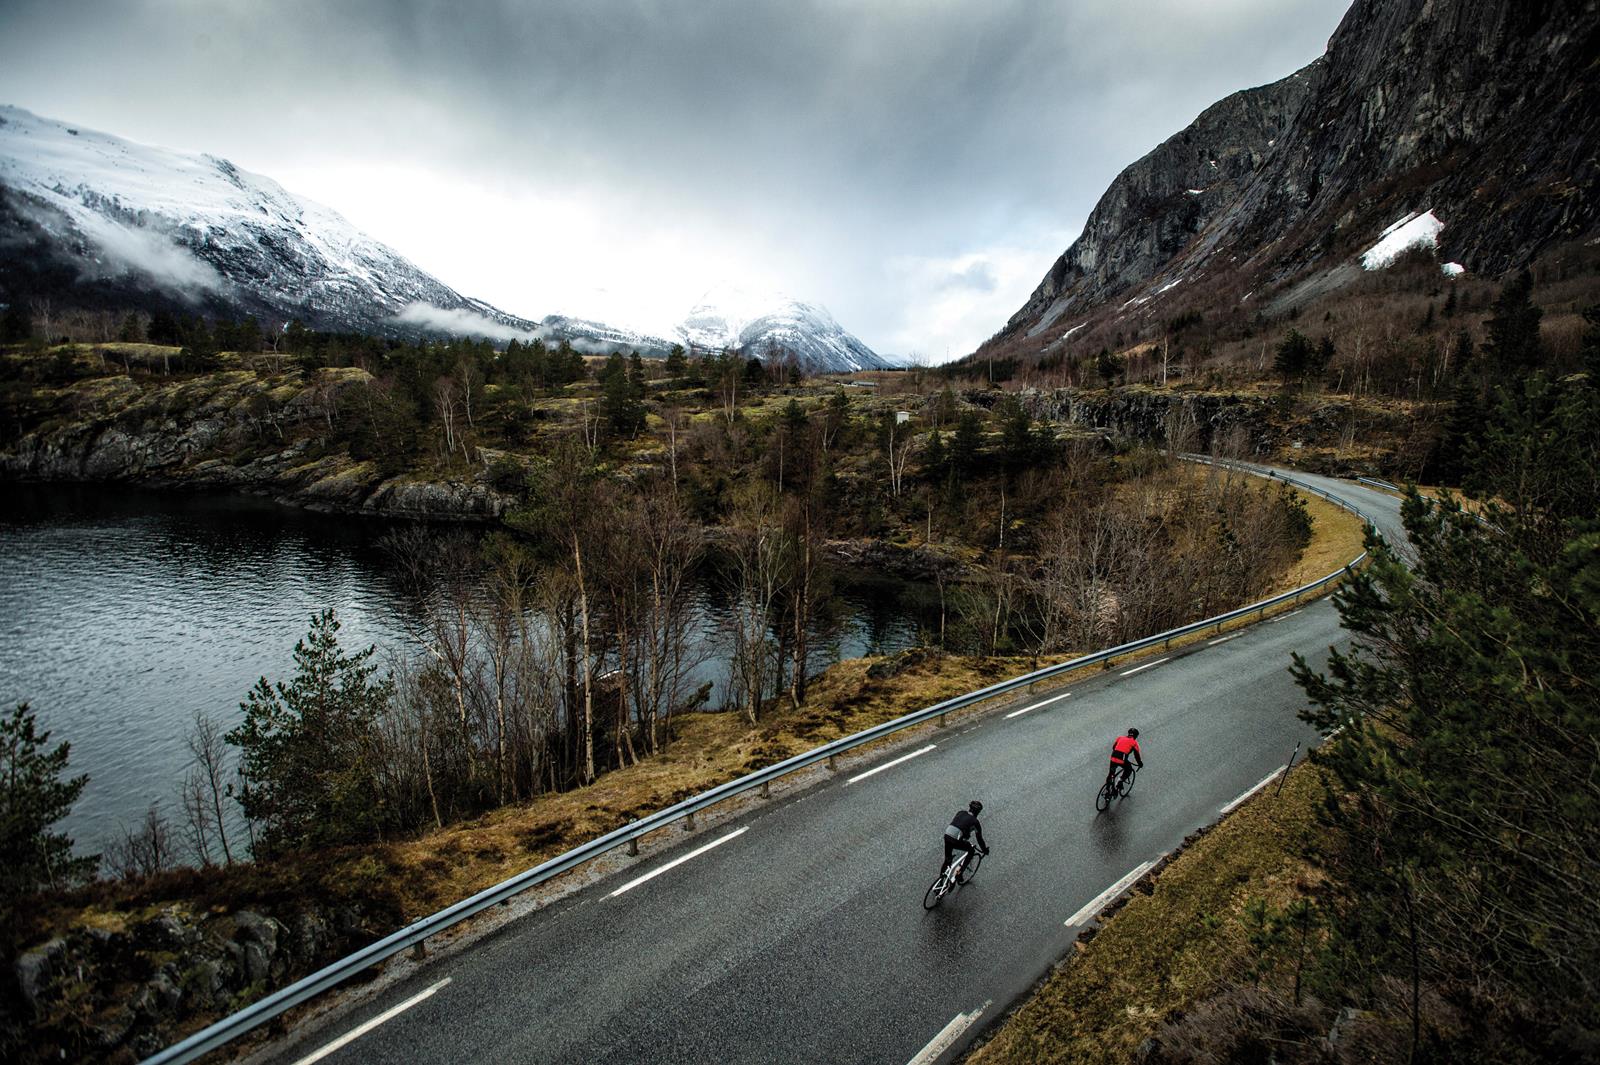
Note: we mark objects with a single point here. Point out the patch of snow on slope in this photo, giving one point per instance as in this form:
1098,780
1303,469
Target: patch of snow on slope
1409,232
1453,269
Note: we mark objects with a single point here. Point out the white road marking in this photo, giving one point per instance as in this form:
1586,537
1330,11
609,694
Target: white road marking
652,874
1290,614
891,765
1147,665
1099,902
1270,777
358,1032
1223,639
947,1035
1035,706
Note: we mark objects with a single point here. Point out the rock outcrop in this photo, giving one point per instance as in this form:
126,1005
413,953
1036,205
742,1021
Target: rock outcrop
227,430
105,991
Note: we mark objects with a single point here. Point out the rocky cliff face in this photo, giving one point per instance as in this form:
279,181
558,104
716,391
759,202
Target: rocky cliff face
1157,206
1480,111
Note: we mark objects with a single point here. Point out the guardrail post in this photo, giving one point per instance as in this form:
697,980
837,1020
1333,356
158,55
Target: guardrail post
633,848
1283,779
688,822
766,789
941,721
833,763
420,950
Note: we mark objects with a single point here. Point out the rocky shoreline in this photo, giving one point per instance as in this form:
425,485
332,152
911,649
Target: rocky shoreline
212,435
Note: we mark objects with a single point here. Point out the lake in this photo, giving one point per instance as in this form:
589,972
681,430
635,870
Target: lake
123,611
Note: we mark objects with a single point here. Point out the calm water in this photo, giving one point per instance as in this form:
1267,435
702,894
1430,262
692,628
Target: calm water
122,612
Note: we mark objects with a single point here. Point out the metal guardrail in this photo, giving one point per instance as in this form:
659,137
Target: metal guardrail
1379,484
414,934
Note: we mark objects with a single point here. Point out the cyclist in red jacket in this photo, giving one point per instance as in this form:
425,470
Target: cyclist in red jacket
1124,749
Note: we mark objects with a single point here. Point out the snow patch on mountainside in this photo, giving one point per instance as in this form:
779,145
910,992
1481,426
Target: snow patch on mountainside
1412,231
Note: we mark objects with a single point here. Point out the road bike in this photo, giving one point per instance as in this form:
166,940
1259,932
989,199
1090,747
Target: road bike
1115,787
963,867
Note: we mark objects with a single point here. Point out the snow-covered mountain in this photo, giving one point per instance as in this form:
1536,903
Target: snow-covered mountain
771,325
105,222
197,229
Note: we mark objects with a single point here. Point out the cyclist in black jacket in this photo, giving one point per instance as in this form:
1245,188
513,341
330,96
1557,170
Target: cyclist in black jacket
962,825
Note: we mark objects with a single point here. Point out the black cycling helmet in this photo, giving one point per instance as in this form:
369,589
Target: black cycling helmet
1134,733
975,807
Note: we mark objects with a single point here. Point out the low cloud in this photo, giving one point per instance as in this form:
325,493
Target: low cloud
462,322
977,276
125,249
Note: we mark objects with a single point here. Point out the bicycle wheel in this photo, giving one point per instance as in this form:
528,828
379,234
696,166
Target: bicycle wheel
970,868
935,893
1127,785
1102,801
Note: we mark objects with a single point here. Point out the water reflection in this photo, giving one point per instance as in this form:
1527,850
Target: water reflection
123,611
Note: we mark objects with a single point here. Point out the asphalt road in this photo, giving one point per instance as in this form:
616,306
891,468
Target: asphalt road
800,936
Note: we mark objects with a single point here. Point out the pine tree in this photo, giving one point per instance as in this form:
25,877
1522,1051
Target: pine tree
966,445
1322,357
677,362
33,797
1294,354
934,457
1106,366
306,746
1514,348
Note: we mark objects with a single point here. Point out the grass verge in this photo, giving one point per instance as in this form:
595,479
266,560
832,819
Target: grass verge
1179,938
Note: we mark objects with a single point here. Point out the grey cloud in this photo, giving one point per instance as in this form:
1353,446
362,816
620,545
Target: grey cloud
835,134
979,276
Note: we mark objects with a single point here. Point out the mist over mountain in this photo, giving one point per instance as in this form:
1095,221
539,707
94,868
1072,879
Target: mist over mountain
1467,126
94,220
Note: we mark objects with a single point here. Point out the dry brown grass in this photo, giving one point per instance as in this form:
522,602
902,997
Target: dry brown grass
1170,946
709,749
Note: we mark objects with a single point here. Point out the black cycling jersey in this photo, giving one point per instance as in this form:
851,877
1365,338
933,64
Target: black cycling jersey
967,824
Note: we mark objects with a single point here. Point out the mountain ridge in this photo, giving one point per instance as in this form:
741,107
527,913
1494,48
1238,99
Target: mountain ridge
122,225
1478,112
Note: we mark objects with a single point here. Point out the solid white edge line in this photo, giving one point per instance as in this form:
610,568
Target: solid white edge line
891,765
1147,665
361,1030
1035,706
1270,777
652,874
1223,639
947,1035
1098,903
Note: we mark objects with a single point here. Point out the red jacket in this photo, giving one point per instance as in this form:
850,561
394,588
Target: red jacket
1123,745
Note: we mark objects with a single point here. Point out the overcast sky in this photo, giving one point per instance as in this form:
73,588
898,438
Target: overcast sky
913,165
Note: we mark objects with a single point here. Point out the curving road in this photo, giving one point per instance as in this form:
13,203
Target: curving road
795,932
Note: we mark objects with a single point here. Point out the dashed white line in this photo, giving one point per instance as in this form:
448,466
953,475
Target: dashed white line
361,1030
891,765
1270,777
1290,614
1099,902
1035,706
1147,665
1223,639
652,874
947,1035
